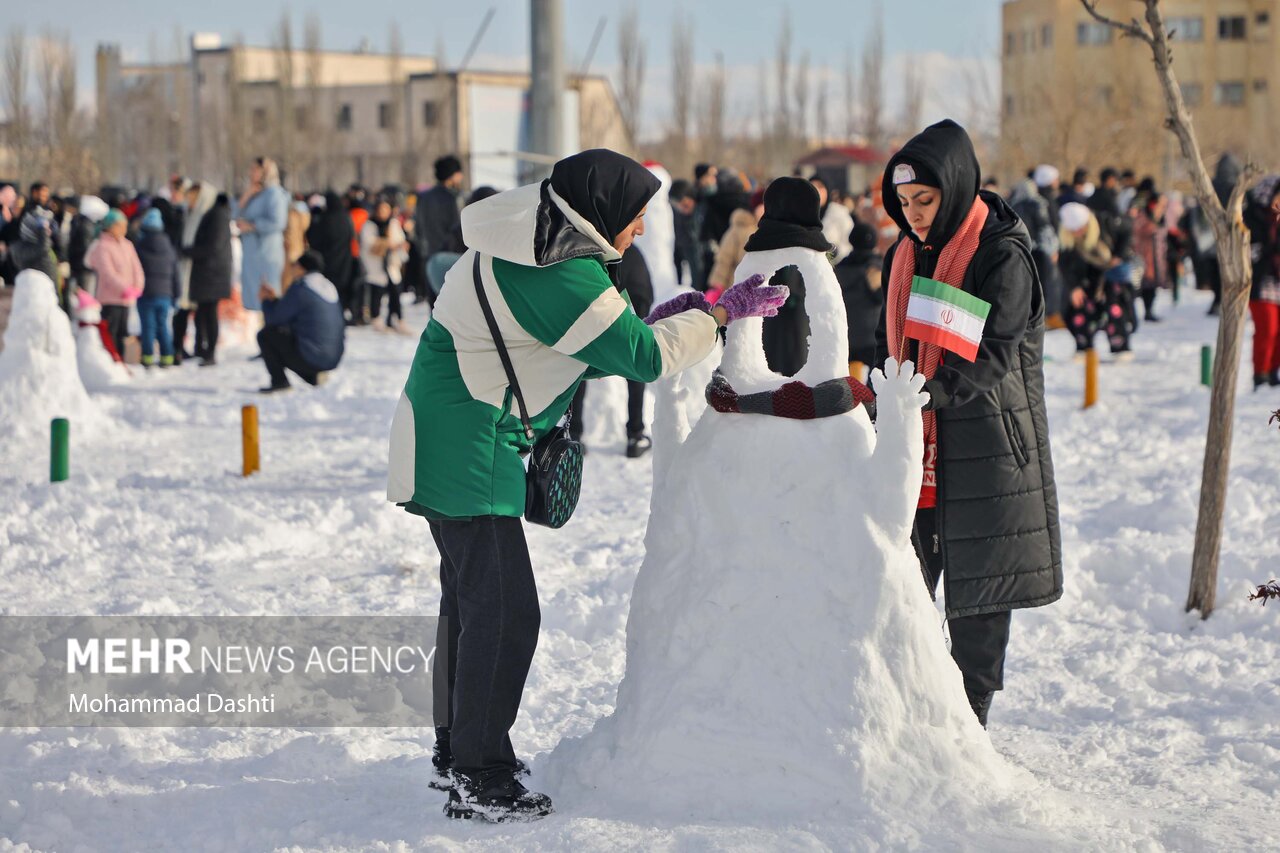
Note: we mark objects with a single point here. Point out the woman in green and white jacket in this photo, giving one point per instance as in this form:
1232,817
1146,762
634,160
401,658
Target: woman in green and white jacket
457,443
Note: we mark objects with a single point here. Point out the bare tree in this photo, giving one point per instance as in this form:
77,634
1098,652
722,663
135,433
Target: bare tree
873,124
1234,261
802,91
315,141
821,118
15,97
62,154
631,54
396,89
782,70
913,100
712,103
281,140
682,93
850,96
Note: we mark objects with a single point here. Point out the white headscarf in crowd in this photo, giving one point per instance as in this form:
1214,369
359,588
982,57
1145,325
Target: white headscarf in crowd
207,195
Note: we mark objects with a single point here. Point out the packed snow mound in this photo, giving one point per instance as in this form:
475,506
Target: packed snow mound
658,242
783,654
98,370
39,375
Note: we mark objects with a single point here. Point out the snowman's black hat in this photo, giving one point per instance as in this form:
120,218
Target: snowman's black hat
792,218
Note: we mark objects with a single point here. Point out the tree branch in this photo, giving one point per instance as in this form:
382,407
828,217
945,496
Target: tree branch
1133,29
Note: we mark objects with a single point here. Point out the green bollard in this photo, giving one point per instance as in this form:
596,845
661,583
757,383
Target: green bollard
59,450
1206,366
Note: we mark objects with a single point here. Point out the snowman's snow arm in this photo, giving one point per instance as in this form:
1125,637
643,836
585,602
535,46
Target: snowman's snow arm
897,463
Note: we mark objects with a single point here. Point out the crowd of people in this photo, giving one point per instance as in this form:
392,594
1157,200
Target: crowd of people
168,268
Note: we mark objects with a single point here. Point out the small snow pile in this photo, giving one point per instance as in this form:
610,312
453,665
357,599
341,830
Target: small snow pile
39,376
784,660
98,370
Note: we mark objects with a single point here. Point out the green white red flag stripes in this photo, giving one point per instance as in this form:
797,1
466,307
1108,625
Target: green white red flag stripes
940,314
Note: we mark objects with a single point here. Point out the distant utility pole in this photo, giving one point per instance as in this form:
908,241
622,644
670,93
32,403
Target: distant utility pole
546,91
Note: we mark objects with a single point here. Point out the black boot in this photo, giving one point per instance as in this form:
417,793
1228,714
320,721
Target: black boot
495,796
1273,378
441,760
638,445
1259,379
981,704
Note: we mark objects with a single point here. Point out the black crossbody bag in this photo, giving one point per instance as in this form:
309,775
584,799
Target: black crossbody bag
554,479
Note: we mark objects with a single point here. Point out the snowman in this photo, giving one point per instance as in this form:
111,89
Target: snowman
783,658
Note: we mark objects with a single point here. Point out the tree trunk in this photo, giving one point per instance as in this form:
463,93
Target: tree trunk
1217,450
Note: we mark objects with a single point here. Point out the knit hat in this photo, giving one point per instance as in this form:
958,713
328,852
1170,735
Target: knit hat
1073,216
791,218
906,172
446,167
1045,175
152,220
113,216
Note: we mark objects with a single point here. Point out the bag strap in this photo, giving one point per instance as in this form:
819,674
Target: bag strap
502,347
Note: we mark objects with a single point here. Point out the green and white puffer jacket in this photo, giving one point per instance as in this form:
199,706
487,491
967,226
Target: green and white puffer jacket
457,444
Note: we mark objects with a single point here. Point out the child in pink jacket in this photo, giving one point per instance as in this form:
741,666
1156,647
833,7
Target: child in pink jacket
120,280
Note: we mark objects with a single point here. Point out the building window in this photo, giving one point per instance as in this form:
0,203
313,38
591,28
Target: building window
1008,105
1092,33
1229,94
1192,94
1231,27
430,114
259,120
384,115
301,119
344,117
1046,35
1009,42
1260,85
1186,28
1262,18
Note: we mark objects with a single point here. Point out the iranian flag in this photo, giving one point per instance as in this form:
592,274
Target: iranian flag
938,313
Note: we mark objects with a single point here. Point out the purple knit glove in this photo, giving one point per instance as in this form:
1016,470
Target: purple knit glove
684,302
752,298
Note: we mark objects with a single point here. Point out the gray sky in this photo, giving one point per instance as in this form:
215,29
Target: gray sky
956,35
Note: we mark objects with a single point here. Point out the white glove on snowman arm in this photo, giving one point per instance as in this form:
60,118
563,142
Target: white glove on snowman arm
898,459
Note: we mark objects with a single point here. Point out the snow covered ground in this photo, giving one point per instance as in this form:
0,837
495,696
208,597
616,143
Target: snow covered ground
1143,727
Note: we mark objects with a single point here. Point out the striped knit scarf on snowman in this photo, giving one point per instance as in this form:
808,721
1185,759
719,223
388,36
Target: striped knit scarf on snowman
953,263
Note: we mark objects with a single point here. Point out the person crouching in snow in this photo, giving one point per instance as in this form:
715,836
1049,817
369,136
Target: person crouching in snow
303,330
987,520
545,257
160,286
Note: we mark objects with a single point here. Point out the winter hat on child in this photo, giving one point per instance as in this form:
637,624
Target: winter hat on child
791,219
152,220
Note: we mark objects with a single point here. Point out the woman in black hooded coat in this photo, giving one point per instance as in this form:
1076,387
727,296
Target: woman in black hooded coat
993,537
330,234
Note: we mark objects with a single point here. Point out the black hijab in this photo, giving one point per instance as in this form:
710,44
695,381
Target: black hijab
942,151
605,188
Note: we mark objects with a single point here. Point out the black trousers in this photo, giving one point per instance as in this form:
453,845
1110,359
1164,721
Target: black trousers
280,351
206,329
117,319
978,643
489,620
635,410
181,317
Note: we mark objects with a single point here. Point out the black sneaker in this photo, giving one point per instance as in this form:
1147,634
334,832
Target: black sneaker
638,445
495,796
275,389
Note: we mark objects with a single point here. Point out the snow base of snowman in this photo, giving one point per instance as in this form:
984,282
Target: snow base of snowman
784,660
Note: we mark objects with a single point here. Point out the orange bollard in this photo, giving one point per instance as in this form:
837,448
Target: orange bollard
1090,378
249,438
